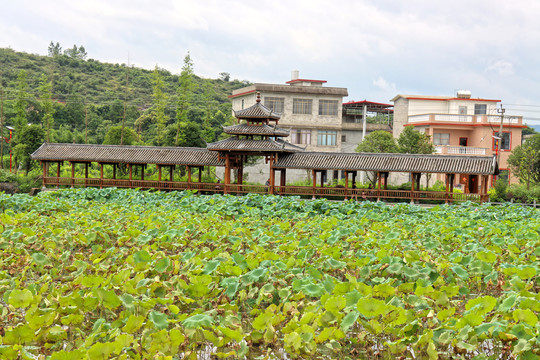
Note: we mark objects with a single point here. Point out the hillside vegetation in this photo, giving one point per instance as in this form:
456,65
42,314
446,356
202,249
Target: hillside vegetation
89,97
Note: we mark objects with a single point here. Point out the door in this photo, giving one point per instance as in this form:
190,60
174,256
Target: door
473,184
462,143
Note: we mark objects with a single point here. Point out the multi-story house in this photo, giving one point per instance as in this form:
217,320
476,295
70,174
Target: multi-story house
311,112
461,125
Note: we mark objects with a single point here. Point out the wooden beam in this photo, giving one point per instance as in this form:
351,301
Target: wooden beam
227,177
159,176
346,183
314,176
86,174
72,175
101,176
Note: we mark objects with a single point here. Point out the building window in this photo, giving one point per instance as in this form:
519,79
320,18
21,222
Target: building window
274,103
242,104
301,136
505,141
343,138
462,110
326,138
480,109
441,139
302,106
328,107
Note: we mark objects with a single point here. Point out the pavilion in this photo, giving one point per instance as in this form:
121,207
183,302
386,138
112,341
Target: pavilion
259,135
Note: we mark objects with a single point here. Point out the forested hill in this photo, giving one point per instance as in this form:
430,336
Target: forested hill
88,98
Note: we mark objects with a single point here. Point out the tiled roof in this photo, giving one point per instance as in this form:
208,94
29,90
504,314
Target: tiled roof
267,145
128,154
481,165
245,129
257,111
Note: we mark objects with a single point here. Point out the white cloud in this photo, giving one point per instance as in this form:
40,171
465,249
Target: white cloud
501,67
488,46
384,85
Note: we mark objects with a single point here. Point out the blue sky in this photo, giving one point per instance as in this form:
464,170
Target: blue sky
376,49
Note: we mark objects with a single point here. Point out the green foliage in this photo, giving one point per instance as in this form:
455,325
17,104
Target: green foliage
525,161
114,135
411,141
379,141
89,97
501,188
103,273
27,140
45,88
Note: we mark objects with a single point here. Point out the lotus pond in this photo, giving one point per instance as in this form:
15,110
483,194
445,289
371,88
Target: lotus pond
125,274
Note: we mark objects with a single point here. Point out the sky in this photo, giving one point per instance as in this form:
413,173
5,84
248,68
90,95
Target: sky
376,49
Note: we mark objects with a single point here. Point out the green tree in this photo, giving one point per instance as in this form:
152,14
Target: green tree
379,141
208,132
45,98
75,52
185,96
411,141
21,101
114,136
25,142
159,106
190,135
524,160
54,49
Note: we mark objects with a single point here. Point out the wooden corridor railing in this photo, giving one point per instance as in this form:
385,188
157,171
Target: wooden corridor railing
306,191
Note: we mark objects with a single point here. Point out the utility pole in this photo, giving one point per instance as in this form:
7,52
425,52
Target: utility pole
500,135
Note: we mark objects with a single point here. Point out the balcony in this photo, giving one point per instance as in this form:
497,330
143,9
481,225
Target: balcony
460,150
465,119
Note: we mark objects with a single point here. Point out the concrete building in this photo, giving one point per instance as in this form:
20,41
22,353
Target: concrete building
461,125
311,112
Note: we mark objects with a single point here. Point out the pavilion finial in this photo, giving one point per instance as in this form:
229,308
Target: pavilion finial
258,96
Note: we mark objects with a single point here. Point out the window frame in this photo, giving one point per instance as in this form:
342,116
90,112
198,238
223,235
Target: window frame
271,101
494,148
480,109
328,107
300,136
437,139
327,137
300,106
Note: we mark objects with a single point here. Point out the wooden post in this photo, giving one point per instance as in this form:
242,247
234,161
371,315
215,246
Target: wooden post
201,169
114,171
142,171
386,180
447,181
101,176
58,175
44,182
72,175
379,181
130,174
241,175
159,176
282,181
188,169
86,174
227,175
314,176
272,178
346,183
412,187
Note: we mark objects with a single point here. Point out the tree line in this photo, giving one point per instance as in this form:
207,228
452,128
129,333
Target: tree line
66,98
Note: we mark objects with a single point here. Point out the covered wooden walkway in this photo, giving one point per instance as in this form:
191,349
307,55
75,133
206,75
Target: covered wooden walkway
135,159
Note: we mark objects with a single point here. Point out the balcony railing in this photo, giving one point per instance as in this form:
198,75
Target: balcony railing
460,150
471,119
